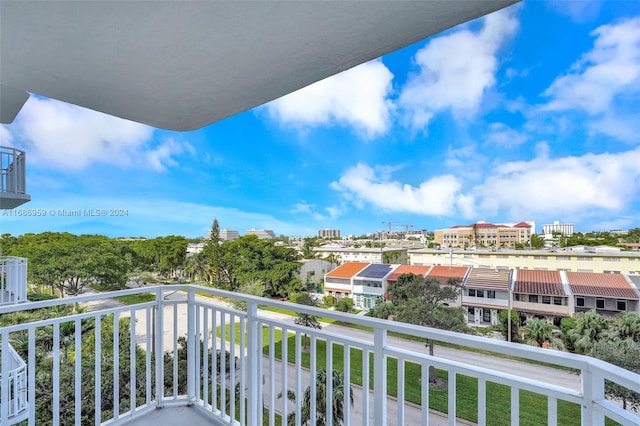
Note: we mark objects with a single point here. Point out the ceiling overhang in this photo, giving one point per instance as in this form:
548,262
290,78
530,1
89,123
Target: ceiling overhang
183,65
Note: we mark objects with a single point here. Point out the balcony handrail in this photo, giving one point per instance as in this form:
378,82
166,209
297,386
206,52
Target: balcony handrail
593,371
12,170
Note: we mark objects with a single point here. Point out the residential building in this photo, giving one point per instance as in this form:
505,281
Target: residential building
486,293
329,233
195,248
446,275
608,294
483,234
406,269
363,254
312,271
565,229
370,285
601,261
338,283
228,235
541,294
13,184
263,234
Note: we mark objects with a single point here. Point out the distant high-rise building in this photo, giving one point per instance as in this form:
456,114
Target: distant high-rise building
263,234
329,233
565,229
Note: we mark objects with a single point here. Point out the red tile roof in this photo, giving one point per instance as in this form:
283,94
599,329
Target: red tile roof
606,285
543,313
348,269
443,273
408,269
532,281
489,278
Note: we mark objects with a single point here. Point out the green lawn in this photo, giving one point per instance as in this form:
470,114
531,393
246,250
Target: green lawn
533,406
132,299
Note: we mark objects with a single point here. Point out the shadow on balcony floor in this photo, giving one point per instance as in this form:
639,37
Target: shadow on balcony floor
177,415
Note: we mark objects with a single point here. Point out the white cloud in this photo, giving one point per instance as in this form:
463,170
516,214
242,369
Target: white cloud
571,185
67,137
333,212
362,184
356,97
504,136
5,136
455,70
578,11
609,70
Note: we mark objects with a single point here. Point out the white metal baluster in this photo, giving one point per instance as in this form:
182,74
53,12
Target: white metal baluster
116,365
98,371
214,361
148,350
400,399
272,377
232,376
380,377
299,395
424,397
132,362
223,363
552,412
4,380
452,397
313,385
515,406
159,349
346,362
329,384
243,372
174,342
365,387
482,402
205,357
254,416
285,383
56,374
32,377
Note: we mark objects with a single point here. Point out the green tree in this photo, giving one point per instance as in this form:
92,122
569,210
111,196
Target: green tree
538,331
307,320
627,326
338,388
537,242
503,319
253,288
626,354
422,302
589,329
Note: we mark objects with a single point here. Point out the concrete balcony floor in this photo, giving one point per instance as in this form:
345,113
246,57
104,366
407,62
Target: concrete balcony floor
174,415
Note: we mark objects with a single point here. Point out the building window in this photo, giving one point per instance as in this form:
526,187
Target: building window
472,292
621,305
600,303
491,294
558,301
540,257
479,293
546,300
579,301
516,296
585,258
533,298
486,315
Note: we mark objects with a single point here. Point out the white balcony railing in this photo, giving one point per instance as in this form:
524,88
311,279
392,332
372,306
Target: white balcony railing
13,280
118,363
16,383
13,184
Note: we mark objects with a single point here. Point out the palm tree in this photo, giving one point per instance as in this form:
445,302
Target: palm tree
538,331
590,328
628,326
337,400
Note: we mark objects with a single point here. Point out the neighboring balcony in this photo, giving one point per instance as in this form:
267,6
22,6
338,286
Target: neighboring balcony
16,384
206,363
13,186
13,280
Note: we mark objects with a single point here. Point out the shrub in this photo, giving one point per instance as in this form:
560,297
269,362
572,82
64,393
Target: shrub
345,304
329,300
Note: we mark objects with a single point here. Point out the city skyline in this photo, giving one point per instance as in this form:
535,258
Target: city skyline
526,114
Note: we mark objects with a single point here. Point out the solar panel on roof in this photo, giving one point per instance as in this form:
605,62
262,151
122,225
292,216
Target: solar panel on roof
376,270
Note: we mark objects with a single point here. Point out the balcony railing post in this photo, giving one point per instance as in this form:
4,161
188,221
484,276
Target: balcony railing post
592,390
254,356
159,346
379,377
4,380
192,346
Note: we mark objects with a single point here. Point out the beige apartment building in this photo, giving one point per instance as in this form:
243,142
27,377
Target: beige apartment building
570,259
483,234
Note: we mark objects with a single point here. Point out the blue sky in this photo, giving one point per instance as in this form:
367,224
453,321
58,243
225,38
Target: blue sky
531,113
